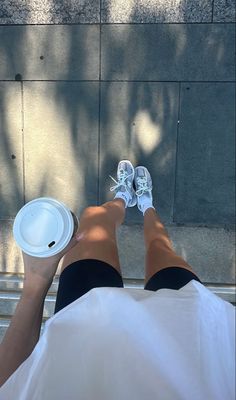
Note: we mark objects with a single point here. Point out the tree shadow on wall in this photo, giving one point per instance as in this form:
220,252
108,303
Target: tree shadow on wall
75,129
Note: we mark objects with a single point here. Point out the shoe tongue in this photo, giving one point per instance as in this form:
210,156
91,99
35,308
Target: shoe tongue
141,173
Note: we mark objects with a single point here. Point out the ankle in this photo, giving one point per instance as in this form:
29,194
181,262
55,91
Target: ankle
119,201
145,201
124,196
148,208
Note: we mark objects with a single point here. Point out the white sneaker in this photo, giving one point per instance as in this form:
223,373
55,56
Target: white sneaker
143,185
124,185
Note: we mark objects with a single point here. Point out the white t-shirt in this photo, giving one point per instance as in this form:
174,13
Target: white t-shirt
118,344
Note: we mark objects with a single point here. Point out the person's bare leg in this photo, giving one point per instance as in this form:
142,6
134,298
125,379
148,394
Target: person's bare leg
98,225
159,251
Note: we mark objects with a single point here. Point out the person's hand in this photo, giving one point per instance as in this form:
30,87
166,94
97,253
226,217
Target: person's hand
39,272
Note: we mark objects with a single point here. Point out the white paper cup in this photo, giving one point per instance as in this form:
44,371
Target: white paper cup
44,227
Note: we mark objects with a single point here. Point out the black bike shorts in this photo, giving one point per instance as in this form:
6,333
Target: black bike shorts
84,275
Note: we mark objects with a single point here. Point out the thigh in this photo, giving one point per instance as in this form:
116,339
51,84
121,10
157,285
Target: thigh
160,256
98,241
170,278
82,276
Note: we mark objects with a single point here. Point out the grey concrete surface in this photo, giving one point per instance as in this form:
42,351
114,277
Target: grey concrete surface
205,184
224,11
10,254
11,150
61,141
126,11
210,251
49,52
154,11
48,12
139,123
173,52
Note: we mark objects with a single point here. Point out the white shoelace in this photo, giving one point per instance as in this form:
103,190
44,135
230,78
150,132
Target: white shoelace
121,181
143,186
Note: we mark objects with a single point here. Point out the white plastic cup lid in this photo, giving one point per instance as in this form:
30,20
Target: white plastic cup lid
43,227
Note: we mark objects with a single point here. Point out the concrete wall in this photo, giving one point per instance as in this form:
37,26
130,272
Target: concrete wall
85,84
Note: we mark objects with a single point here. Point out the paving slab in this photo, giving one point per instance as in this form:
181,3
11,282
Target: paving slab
11,149
49,12
139,123
205,183
10,255
61,141
224,11
168,52
211,252
154,11
59,52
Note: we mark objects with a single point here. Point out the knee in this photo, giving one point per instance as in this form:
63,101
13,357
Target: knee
165,252
93,215
91,210
160,245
